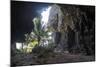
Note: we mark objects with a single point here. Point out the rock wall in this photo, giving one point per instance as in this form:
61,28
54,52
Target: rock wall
72,30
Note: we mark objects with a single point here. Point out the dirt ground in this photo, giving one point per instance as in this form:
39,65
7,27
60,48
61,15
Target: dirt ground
28,59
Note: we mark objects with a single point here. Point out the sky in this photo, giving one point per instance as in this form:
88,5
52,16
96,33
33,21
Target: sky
22,14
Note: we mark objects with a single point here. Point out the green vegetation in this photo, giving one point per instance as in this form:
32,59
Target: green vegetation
39,32
37,37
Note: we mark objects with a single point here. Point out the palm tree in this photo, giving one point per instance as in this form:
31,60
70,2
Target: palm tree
38,30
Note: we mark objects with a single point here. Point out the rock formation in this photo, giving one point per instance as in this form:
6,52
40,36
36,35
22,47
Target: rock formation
72,30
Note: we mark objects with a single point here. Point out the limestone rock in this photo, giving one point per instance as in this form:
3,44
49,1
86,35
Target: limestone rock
70,25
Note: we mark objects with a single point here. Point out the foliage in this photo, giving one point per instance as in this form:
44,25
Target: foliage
38,30
42,52
36,36
31,45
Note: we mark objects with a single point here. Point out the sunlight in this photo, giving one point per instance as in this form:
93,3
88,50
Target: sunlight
18,45
50,37
45,43
45,15
49,33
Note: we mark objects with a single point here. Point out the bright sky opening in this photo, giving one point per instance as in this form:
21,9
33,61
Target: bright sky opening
45,15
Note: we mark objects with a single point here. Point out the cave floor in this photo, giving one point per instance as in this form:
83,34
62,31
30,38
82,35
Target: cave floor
27,59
